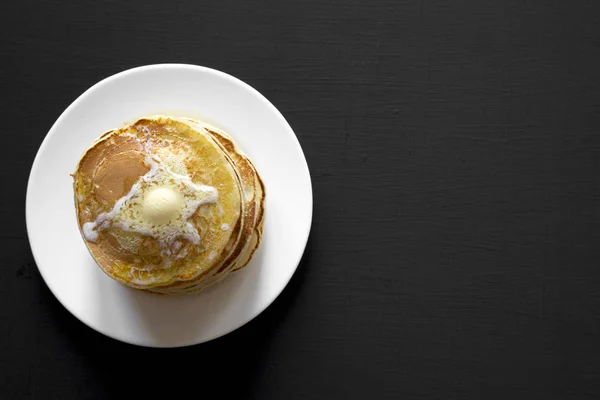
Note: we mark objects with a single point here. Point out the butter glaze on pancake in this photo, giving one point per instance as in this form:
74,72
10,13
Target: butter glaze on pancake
117,161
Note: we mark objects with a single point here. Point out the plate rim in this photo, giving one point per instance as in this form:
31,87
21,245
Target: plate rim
88,92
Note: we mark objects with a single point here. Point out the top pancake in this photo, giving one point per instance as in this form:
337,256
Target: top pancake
121,159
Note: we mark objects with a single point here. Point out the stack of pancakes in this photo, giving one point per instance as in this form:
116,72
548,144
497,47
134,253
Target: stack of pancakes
170,205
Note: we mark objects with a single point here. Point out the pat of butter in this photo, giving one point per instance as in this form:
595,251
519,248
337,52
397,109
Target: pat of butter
161,205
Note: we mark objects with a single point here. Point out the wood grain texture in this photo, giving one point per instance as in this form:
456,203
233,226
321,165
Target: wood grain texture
454,151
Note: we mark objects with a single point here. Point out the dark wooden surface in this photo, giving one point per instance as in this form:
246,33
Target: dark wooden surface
454,149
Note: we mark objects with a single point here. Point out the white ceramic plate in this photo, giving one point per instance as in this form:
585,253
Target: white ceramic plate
143,318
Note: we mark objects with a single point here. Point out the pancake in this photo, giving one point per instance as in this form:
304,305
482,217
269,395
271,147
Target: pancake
168,205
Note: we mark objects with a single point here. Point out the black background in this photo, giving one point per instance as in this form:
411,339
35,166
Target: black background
453,147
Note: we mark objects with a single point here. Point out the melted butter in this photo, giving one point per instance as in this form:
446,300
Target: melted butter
179,199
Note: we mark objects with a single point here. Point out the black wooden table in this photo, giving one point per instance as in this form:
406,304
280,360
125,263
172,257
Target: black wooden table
454,149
